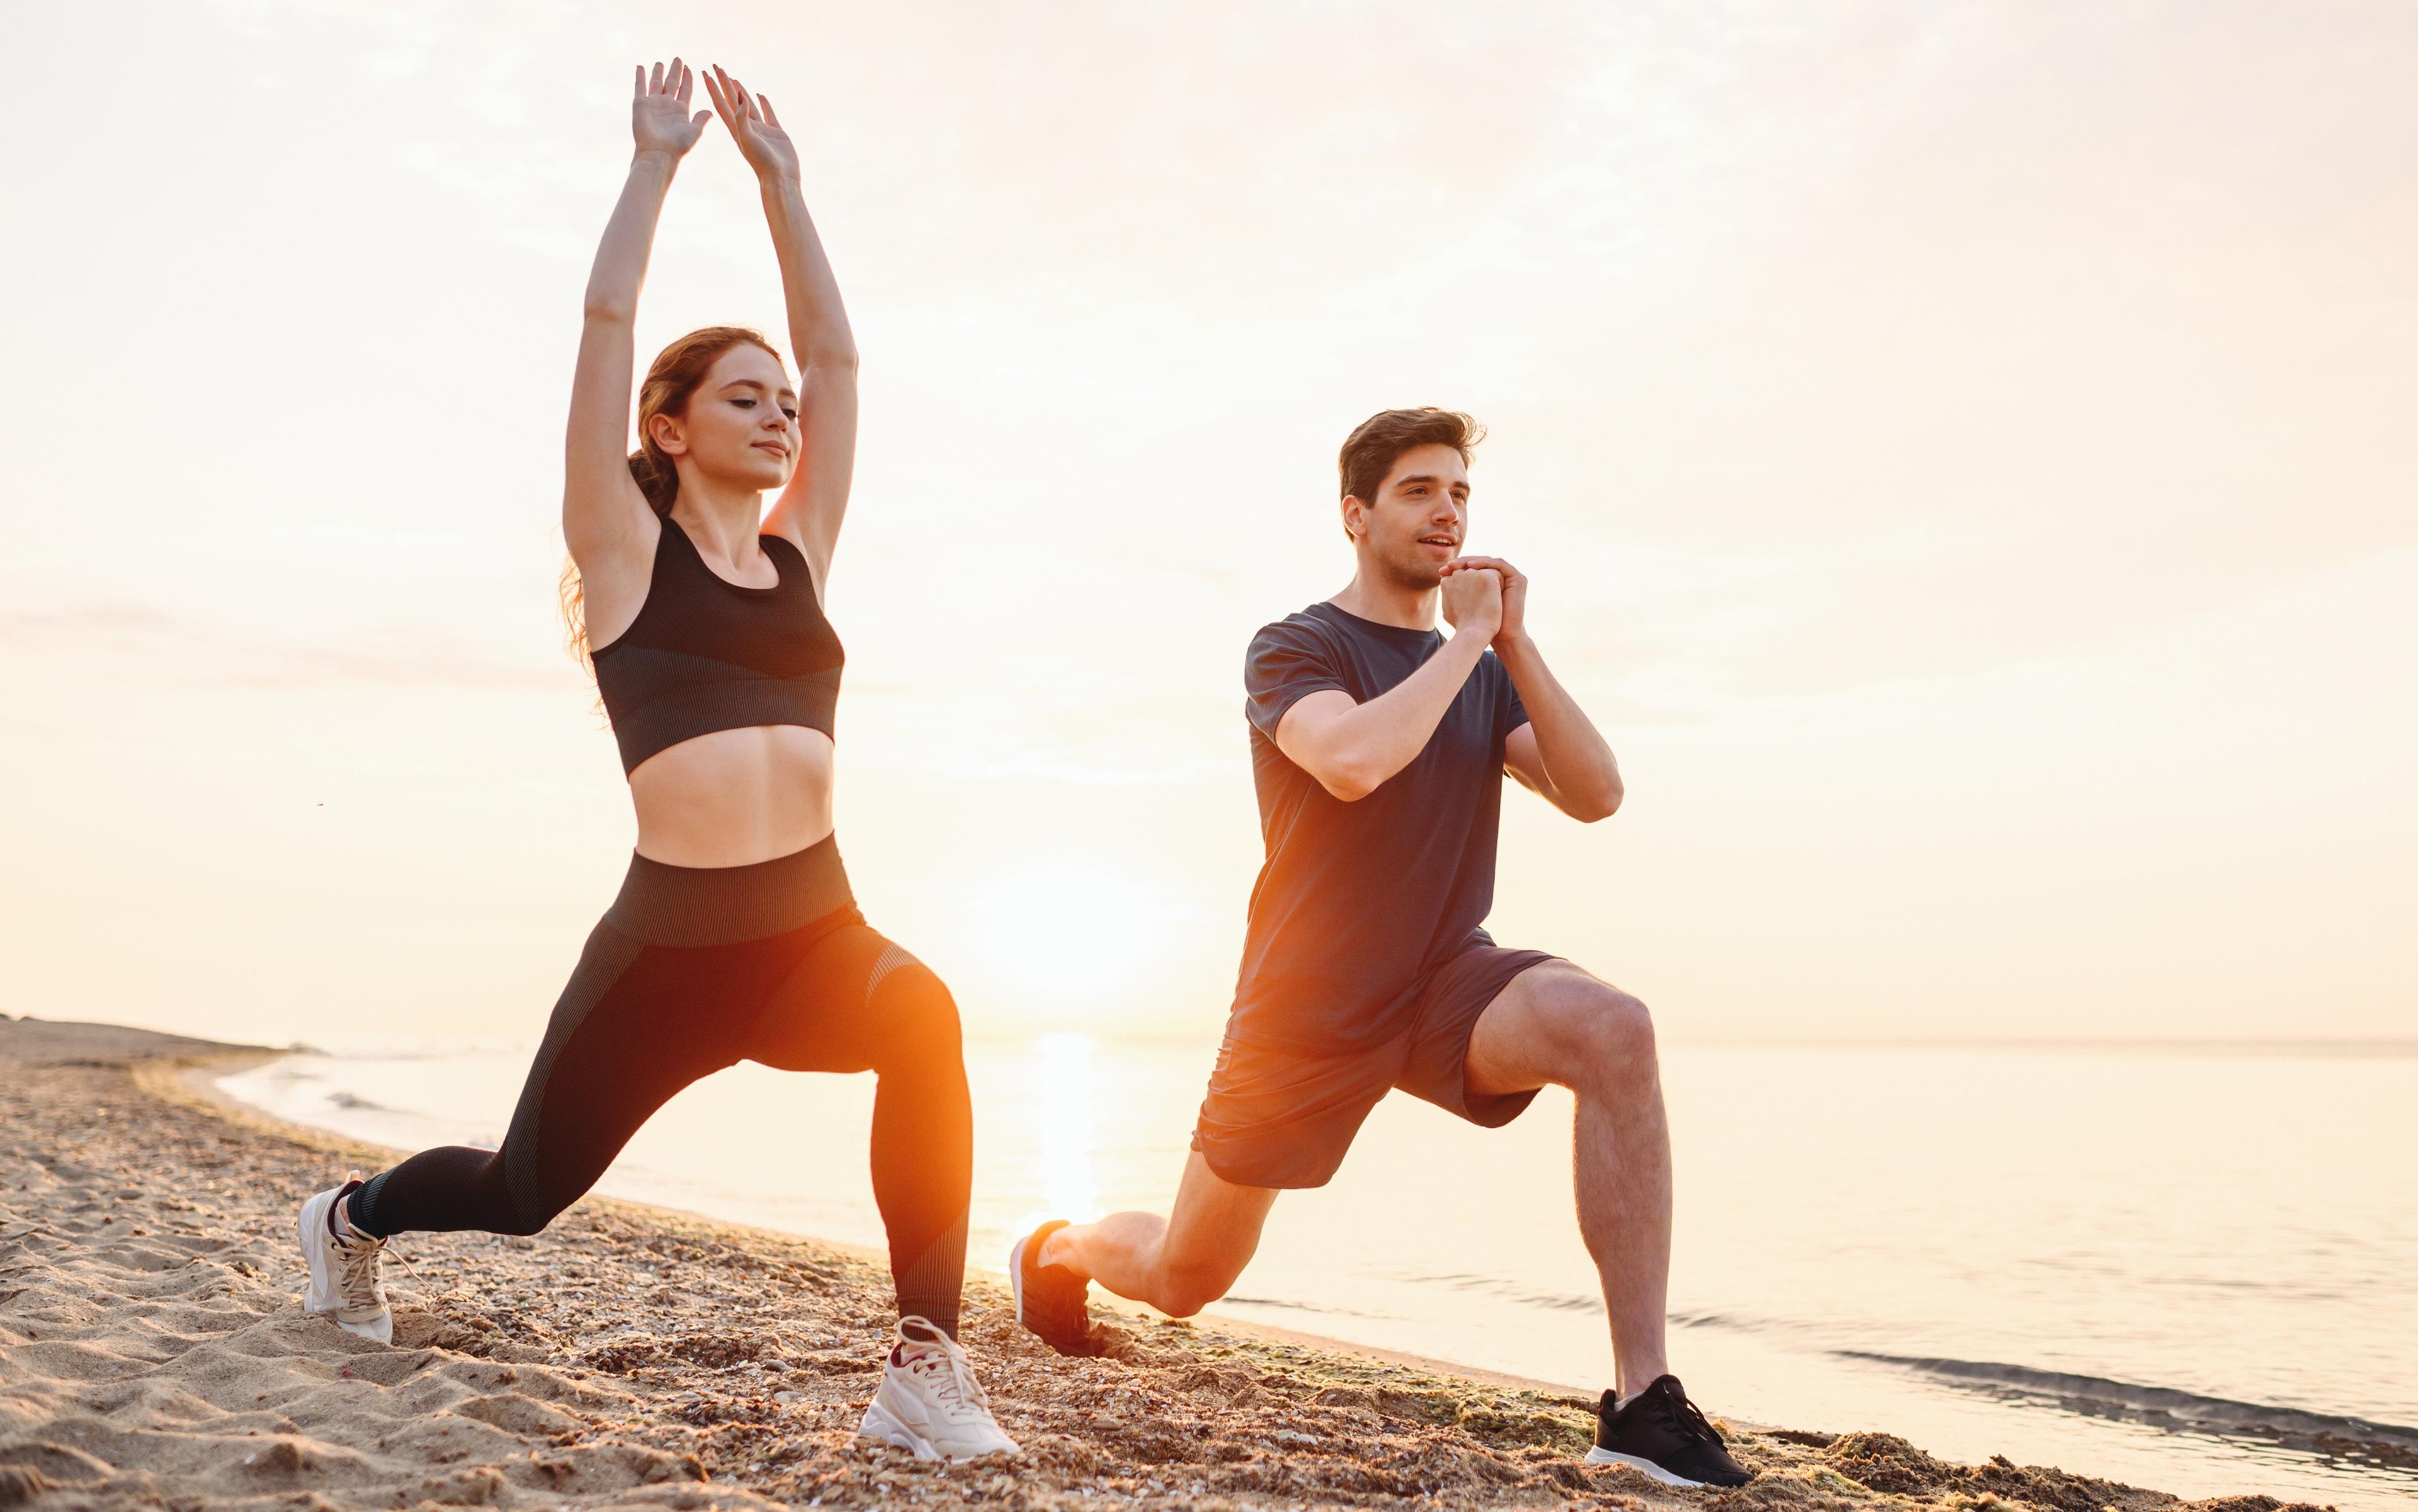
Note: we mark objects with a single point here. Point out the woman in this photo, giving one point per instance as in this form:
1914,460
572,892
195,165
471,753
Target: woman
734,936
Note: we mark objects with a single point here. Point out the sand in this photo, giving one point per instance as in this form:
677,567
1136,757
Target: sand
154,1354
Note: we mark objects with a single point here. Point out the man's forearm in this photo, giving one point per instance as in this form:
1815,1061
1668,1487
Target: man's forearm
1578,759
1353,754
1396,725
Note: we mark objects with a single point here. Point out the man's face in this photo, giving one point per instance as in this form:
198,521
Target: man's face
1418,519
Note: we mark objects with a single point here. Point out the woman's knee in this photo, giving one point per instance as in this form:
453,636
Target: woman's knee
916,1012
526,1225
518,1196
525,1218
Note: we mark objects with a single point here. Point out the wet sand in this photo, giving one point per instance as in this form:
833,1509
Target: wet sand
153,1352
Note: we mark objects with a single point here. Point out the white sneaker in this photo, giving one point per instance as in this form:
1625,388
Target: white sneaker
929,1401
344,1269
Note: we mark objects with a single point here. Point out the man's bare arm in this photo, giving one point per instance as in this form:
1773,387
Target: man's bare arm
1353,748
1559,753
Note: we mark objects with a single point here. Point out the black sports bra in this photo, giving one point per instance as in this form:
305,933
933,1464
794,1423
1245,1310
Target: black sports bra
706,655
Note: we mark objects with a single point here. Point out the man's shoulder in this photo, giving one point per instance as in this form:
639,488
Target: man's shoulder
1289,658
1315,619
1302,630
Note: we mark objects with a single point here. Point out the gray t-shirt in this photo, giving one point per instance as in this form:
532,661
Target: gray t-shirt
1358,902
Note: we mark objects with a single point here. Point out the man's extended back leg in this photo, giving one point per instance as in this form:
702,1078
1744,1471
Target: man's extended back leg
1179,1265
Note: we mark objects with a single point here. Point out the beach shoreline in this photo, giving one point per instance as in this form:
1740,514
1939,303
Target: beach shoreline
635,1355
198,1080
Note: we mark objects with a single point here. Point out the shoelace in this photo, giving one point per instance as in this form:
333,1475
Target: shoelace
944,1365
1684,1416
357,1269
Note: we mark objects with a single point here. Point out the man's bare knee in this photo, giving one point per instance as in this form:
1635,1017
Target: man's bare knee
1194,1275
1615,1035
1186,1289
1209,1238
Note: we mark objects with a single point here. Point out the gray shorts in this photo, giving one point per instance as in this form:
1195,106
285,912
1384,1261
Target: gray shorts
1284,1117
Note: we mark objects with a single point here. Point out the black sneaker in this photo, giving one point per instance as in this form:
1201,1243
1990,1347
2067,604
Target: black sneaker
1049,1299
1661,1434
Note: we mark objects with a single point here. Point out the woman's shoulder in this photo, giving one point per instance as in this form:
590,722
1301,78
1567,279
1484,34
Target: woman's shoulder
790,557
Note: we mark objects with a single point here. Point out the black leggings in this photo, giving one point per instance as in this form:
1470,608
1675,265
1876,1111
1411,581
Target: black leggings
694,969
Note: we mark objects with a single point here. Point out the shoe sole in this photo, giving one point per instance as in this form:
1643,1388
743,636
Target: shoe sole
1016,1277
881,1424
1600,1456
884,1427
320,1296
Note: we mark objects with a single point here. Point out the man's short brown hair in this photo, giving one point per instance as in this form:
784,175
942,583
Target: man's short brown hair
1373,446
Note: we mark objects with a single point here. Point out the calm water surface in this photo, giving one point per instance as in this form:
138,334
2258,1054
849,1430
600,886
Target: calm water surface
2191,1269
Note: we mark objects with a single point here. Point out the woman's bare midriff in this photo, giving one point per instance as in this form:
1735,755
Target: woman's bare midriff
735,797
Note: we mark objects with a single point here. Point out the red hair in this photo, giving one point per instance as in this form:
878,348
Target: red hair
672,378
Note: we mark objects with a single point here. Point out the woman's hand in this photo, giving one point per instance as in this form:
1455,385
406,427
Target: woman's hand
659,117
752,126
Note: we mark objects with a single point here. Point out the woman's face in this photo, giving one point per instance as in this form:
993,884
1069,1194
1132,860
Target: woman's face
741,427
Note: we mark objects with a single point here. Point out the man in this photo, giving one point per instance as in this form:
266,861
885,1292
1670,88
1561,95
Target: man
1378,747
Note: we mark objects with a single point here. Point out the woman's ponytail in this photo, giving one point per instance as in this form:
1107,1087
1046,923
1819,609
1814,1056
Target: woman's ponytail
655,477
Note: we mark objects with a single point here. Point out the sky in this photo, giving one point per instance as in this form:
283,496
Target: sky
1962,454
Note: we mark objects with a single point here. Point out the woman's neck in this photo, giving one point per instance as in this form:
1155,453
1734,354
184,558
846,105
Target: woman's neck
722,522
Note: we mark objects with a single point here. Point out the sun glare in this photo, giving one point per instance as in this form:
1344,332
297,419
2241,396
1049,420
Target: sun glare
1071,929
1068,1184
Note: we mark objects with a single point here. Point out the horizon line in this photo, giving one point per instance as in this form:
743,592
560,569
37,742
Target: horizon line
2344,1046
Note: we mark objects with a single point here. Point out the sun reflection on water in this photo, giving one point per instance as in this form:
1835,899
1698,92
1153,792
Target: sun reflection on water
1067,1108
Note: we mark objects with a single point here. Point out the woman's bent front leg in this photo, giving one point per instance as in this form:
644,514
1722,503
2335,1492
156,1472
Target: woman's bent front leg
859,1002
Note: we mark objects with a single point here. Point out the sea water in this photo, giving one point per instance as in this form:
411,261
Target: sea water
2189,1267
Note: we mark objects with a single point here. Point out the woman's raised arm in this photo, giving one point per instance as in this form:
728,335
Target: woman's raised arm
810,508
605,521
